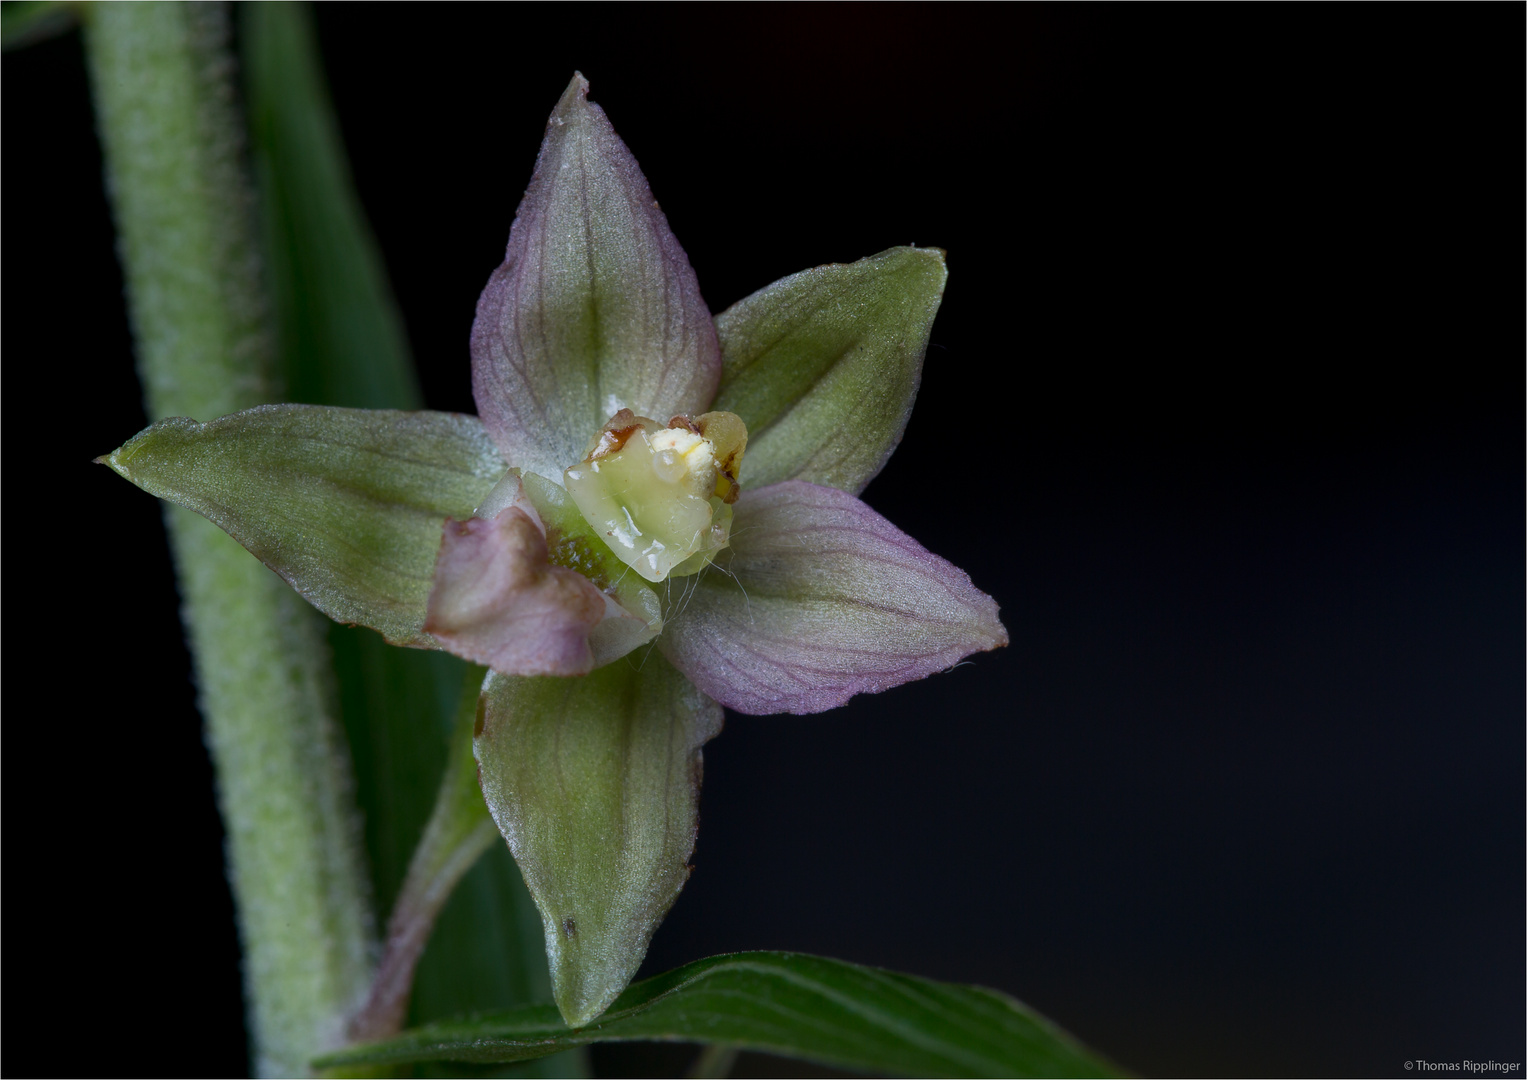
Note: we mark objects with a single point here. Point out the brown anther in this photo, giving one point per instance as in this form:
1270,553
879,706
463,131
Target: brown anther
683,422
727,486
615,433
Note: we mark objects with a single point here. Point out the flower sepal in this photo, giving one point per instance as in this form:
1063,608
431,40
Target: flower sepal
595,307
346,504
819,598
823,365
595,784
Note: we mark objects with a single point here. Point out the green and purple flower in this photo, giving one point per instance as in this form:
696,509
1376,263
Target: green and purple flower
655,515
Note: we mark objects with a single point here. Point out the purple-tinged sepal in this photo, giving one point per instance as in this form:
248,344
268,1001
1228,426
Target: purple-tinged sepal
820,598
595,308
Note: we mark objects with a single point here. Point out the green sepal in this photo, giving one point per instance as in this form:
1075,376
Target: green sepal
346,504
595,307
828,1011
823,365
595,783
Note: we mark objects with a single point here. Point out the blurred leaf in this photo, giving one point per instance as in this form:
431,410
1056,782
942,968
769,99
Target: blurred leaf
26,22
823,365
809,1007
459,831
343,343
341,337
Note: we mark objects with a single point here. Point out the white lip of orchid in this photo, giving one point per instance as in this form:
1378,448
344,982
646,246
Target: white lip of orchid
651,491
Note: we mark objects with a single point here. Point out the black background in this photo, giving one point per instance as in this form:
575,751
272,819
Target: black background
1224,406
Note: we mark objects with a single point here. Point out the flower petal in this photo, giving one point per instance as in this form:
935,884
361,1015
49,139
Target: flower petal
595,783
823,365
633,615
822,598
498,600
345,504
595,307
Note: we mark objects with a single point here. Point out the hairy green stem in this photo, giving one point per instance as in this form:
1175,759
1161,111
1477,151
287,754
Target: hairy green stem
162,77
459,831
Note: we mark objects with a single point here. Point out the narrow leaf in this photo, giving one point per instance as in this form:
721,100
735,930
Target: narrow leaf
341,335
823,365
345,504
594,782
809,1007
595,308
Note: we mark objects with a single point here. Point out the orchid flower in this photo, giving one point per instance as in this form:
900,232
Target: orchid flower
655,515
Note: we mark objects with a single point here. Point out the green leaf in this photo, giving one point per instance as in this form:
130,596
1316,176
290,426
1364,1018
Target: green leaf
823,365
810,1007
594,781
345,504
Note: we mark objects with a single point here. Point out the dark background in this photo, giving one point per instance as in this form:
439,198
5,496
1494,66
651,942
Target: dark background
1224,406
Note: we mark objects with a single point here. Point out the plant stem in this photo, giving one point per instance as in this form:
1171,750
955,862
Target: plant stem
162,77
459,831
